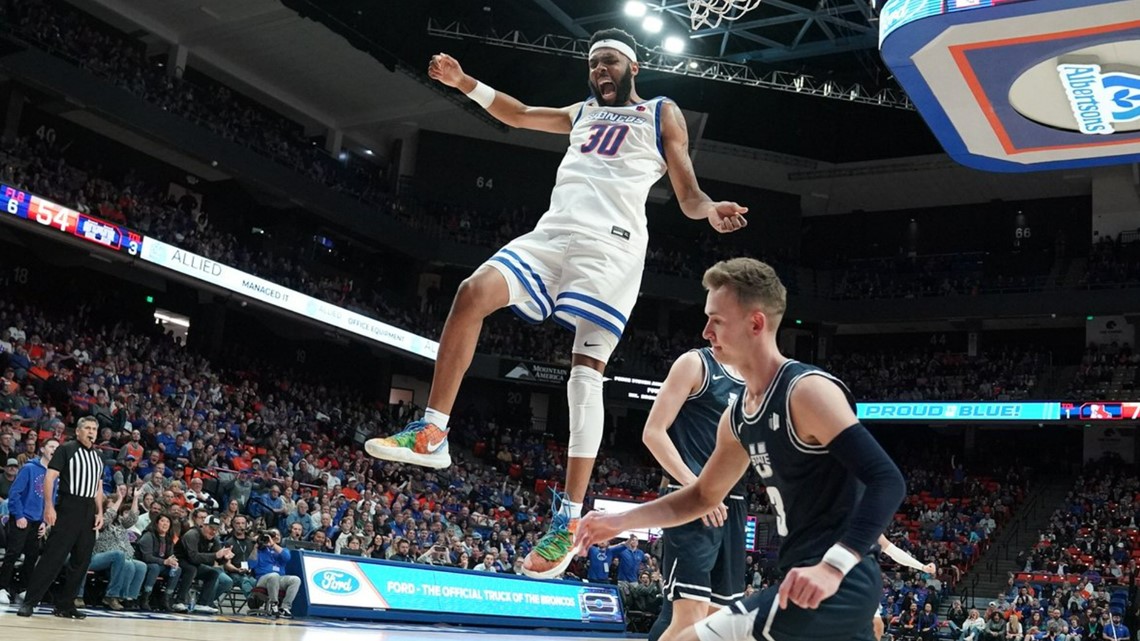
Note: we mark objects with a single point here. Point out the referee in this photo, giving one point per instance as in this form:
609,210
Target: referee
73,520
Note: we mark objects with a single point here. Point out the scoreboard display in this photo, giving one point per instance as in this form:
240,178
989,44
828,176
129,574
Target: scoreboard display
1101,411
21,204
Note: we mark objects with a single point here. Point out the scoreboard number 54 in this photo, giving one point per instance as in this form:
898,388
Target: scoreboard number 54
58,219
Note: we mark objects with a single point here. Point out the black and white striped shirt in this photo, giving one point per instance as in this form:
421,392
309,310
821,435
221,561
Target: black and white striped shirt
80,469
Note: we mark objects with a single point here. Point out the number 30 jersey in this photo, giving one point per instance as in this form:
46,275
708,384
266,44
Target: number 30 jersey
811,492
615,156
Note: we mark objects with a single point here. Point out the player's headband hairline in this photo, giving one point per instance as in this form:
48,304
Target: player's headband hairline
615,44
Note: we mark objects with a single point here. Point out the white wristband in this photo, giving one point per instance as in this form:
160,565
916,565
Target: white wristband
841,559
482,94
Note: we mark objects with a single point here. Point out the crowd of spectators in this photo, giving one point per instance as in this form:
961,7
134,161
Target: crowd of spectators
262,450
178,432
936,373
1107,372
122,60
265,450
1077,582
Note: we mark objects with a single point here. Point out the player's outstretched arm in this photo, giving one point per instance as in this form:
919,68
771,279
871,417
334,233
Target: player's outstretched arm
505,108
724,216
902,557
729,461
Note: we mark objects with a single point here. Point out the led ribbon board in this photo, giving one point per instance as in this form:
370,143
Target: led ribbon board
373,589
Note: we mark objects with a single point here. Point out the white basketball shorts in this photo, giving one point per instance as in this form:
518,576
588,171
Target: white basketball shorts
570,275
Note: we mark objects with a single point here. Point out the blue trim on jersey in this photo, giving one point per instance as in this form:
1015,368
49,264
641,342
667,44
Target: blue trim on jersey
525,316
534,274
596,303
590,316
525,283
657,126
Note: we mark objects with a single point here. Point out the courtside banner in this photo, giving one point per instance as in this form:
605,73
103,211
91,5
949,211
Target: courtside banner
361,587
254,287
936,412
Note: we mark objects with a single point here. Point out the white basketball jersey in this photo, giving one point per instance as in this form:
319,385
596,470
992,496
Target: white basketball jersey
615,156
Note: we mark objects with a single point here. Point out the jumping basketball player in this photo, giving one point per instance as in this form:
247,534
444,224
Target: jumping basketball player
581,264
831,485
703,562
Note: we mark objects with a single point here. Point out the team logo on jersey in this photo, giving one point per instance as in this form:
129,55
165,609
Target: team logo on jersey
774,422
612,117
761,460
732,397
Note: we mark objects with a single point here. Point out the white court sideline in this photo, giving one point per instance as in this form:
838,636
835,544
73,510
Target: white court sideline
133,626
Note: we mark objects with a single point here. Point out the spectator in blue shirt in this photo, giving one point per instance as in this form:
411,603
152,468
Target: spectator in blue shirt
1116,630
25,521
600,556
927,623
268,566
629,563
301,515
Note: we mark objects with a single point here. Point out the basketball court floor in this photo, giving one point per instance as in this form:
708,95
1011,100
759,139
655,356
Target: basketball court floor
135,626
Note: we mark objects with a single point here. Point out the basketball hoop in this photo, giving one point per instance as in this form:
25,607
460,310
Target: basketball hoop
710,13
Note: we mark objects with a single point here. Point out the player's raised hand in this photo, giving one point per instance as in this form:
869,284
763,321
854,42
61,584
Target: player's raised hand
808,587
726,216
929,568
717,517
445,69
595,526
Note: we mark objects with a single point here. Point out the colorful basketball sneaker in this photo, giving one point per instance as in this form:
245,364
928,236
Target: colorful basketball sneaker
420,443
554,551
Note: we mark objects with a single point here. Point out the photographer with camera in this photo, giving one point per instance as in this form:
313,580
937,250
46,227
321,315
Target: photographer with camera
436,554
268,565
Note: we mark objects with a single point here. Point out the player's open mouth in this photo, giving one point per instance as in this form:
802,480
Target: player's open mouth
608,89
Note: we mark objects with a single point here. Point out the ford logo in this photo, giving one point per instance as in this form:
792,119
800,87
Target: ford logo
335,582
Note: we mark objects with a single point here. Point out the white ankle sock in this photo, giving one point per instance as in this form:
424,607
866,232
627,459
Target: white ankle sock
572,508
437,418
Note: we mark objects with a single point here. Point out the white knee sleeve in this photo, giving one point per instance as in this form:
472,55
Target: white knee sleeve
587,416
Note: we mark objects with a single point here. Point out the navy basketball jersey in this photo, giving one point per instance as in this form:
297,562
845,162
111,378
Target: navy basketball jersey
694,430
812,494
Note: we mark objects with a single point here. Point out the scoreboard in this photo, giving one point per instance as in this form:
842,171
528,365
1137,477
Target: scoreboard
1101,411
21,204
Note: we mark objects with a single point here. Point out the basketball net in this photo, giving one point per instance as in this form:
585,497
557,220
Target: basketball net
710,13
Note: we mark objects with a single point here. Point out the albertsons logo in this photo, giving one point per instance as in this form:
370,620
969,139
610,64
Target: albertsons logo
336,582
1100,99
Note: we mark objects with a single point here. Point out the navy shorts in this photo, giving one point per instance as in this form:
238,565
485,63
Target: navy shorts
706,563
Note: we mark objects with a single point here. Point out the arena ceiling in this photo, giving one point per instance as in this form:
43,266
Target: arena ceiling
824,39
359,64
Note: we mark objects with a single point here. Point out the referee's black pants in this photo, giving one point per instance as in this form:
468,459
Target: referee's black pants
74,535
24,541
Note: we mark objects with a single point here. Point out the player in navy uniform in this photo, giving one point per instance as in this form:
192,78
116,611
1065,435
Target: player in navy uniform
703,566
833,488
